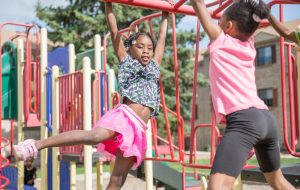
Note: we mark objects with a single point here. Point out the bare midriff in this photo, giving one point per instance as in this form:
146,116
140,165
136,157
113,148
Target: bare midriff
142,111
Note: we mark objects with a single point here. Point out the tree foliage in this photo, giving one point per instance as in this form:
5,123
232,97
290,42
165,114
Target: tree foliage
80,20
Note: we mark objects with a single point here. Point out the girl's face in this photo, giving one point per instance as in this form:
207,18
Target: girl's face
142,50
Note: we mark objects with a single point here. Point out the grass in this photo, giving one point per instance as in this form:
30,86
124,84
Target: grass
252,161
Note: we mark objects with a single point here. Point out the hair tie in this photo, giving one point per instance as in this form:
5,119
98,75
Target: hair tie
253,3
256,18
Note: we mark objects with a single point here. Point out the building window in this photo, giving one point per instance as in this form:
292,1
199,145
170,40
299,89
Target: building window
266,55
269,96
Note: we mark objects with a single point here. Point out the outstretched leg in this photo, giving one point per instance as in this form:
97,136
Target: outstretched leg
30,147
69,138
120,171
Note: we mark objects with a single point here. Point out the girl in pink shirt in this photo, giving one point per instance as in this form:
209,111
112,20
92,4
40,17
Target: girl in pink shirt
234,95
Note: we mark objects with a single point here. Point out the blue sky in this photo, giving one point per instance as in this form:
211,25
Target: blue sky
23,12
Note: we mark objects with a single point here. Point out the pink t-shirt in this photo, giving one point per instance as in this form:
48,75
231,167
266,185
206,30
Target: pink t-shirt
232,76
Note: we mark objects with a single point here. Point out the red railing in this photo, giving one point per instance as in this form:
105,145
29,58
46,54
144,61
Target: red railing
31,77
291,140
71,108
292,93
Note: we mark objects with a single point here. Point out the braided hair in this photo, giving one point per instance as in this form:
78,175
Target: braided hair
247,14
133,37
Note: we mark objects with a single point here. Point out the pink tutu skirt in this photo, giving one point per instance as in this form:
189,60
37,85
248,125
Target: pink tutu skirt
131,138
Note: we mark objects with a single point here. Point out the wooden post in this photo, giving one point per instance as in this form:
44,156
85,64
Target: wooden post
44,130
55,127
20,110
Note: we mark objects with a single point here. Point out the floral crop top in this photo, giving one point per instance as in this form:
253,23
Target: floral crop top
140,83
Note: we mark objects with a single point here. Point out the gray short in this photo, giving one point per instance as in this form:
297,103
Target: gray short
247,129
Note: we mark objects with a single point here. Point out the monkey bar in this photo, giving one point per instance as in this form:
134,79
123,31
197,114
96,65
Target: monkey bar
179,7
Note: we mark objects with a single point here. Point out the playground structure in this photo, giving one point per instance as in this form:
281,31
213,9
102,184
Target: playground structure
70,112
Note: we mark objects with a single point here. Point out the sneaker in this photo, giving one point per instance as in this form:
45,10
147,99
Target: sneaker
26,149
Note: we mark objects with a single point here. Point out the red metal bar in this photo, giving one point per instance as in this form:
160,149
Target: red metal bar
3,182
32,76
3,161
198,166
11,136
105,94
296,110
181,138
162,95
27,86
291,98
213,134
192,135
143,19
179,3
151,27
161,5
163,159
222,7
274,2
176,80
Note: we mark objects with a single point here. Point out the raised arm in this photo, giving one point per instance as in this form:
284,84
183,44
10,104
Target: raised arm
117,42
212,29
160,46
282,30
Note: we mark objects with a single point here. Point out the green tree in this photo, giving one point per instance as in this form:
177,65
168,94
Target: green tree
80,20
